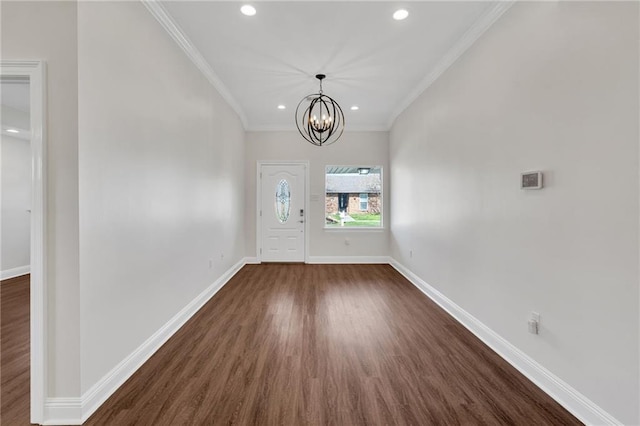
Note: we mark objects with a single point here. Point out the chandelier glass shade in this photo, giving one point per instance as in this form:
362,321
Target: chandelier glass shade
319,118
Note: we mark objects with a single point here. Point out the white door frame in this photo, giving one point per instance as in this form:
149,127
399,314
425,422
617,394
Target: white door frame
307,217
36,71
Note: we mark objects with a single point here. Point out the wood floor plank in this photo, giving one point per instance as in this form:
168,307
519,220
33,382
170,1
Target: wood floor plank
287,344
294,344
14,351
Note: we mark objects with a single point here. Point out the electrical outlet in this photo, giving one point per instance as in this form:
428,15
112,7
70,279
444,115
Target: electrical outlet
221,256
210,263
347,242
410,254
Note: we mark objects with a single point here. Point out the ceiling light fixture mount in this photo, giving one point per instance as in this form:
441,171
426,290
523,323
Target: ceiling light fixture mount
319,118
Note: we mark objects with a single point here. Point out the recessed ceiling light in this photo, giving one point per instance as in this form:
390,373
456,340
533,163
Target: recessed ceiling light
400,14
282,107
355,108
13,131
248,10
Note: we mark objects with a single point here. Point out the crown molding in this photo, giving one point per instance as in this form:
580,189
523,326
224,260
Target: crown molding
171,27
482,24
479,27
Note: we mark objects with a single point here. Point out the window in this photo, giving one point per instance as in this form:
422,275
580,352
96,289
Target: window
283,201
364,202
353,197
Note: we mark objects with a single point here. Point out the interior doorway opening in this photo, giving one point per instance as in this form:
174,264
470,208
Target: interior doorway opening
22,238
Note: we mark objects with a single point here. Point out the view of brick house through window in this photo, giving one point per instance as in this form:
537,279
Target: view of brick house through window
353,196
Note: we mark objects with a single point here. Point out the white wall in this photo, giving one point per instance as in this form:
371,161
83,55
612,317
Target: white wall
47,31
12,117
161,182
353,148
15,228
16,201
554,87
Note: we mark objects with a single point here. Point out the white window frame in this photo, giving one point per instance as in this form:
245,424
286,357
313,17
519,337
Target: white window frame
381,196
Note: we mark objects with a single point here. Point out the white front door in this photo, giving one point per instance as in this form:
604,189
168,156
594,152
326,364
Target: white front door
282,212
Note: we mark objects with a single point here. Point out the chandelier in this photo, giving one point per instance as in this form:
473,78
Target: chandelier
319,118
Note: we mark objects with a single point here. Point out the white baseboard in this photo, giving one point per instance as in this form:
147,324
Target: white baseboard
75,411
15,272
251,261
348,259
576,403
62,411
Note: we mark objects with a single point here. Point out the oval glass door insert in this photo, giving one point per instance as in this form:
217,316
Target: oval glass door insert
283,201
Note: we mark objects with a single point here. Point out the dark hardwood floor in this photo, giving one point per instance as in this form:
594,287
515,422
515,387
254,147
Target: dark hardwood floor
14,351
287,344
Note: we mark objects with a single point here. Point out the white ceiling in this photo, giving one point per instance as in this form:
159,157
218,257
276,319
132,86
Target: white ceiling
370,60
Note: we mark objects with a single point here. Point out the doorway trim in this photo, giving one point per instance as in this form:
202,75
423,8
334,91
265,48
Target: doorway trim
259,165
36,71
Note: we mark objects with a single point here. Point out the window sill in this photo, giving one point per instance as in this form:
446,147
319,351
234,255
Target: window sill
354,228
